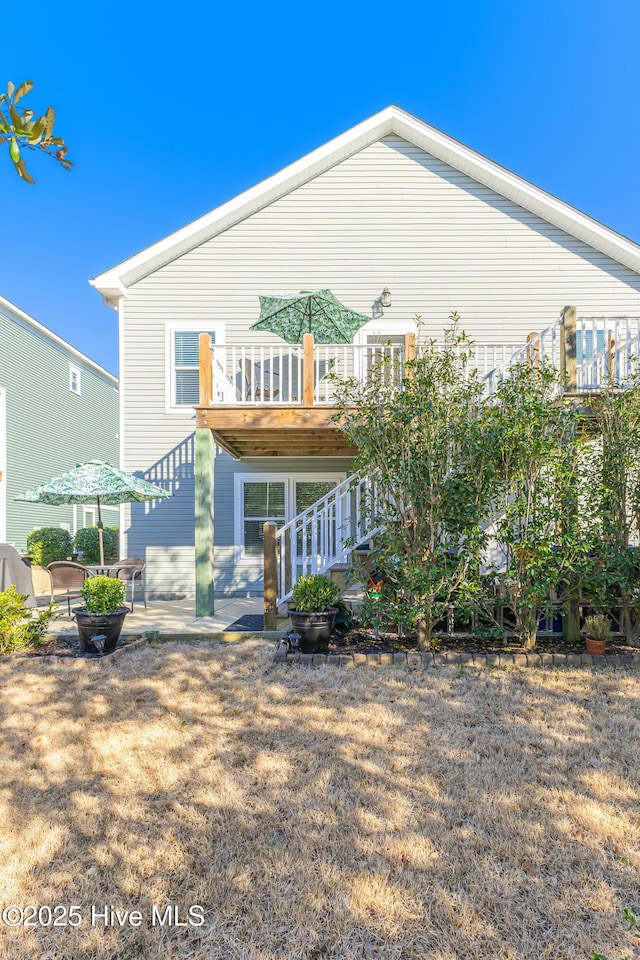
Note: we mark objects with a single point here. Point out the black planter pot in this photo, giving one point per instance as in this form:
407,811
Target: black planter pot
99,632
315,629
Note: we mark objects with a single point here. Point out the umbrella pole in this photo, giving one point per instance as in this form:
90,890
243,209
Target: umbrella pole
100,533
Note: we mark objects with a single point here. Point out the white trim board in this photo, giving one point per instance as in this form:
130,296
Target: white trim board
392,120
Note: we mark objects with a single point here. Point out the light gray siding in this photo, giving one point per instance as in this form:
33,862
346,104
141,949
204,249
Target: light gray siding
49,428
390,215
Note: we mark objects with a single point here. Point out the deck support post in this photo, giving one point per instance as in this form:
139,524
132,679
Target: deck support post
270,575
204,478
568,348
533,351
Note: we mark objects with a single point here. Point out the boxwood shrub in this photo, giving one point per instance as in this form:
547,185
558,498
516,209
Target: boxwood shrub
48,544
88,544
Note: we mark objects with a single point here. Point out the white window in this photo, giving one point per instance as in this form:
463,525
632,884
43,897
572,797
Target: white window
88,516
266,496
182,342
75,379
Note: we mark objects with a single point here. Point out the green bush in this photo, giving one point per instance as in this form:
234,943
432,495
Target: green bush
48,544
103,594
313,593
87,543
19,628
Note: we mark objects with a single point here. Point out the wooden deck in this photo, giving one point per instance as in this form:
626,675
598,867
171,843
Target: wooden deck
268,431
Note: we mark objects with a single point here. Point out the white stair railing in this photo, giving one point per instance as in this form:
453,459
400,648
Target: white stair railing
545,345
609,347
324,533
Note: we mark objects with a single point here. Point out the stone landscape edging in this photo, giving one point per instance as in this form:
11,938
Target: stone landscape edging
425,660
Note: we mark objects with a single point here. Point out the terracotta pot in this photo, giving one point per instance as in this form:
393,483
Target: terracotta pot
595,647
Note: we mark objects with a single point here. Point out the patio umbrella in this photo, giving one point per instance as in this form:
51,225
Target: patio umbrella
95,482
310,311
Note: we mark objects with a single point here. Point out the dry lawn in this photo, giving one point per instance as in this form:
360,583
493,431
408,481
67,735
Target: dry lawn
369,813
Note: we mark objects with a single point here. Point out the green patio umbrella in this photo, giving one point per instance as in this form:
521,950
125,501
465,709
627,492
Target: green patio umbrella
95,482
310,311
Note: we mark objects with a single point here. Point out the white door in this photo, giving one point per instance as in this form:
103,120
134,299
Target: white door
3,465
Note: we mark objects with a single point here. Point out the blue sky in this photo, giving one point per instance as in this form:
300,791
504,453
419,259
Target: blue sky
169,111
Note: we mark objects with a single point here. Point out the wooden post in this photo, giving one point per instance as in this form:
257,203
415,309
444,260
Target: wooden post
270,574
204,477
568,348
308,372
205,370
533,351
287,560
409,352
409,347
611,357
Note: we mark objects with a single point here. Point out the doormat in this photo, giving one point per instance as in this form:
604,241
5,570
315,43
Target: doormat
250,621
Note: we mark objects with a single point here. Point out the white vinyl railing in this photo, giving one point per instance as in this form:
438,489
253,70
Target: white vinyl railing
545,345
257,374
250,375
607,349
325,533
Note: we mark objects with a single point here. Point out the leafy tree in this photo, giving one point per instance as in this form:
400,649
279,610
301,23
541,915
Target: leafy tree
539,528
21,130
615,491
426,448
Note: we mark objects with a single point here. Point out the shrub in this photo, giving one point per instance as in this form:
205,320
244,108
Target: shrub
48,544
598,626
87,543
103,594
19,628
314,592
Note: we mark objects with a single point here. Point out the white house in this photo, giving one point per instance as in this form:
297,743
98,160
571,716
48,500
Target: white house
392,203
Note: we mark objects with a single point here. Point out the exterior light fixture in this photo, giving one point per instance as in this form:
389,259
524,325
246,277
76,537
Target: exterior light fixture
385,297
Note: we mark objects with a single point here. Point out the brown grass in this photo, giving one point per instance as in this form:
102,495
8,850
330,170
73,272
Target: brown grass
329,813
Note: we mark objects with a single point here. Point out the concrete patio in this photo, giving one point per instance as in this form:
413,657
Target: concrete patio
175,618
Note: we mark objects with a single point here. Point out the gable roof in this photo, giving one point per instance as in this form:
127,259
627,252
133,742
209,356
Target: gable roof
113,283
14,313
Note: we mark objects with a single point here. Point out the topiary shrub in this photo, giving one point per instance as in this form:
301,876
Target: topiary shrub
103,595
19,628
87,543
48,544
315,592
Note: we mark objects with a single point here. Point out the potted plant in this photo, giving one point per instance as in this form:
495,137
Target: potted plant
597,632
313,611
101,616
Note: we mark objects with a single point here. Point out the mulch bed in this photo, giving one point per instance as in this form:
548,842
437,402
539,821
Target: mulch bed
71,647
362,640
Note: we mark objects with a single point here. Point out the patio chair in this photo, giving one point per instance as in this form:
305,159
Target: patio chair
67,580
254,387
132,573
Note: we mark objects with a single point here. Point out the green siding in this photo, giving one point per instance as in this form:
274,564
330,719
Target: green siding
49,429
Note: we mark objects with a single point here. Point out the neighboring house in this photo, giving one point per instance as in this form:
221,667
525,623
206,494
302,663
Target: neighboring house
58,408
392,203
